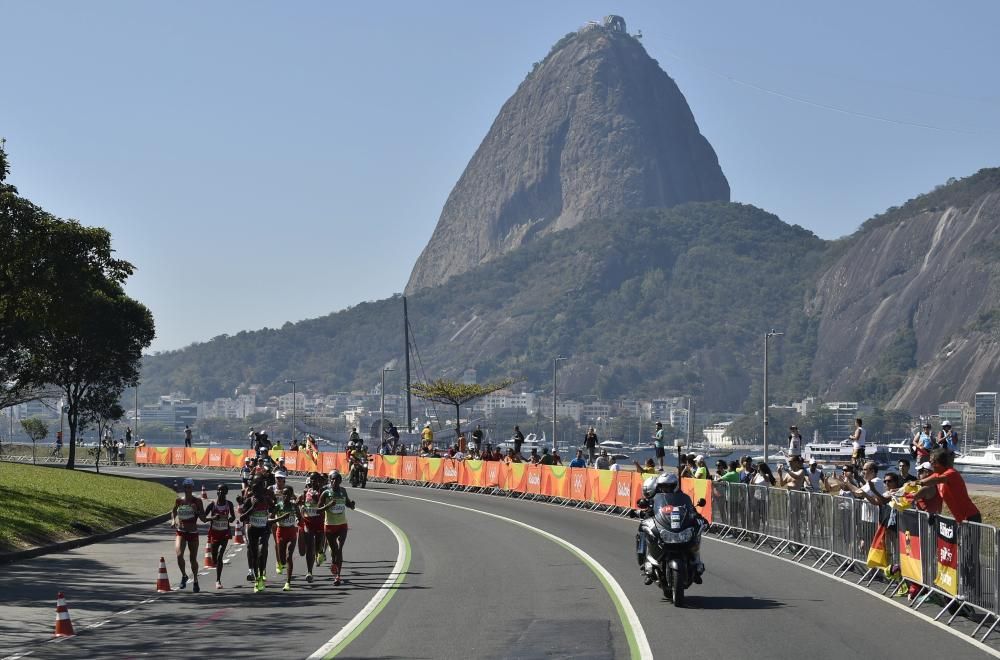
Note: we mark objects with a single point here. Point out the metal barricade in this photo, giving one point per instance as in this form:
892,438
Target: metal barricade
777,515
798,516
978,565
738,506
720,505
866,517
821,507
843,526
928,547
757,509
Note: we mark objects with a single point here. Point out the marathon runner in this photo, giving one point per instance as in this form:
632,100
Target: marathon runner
221,515
286,516
256,509
278,493
332,504
185,515
311,525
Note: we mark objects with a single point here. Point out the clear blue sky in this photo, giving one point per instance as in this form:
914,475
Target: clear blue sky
270,162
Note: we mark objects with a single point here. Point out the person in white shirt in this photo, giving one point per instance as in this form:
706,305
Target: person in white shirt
614,467
858,442
794,441
817,480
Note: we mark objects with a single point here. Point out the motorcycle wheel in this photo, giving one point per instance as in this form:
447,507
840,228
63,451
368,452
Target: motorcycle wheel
665,585
678,589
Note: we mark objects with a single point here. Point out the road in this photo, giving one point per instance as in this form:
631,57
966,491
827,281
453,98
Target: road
477,585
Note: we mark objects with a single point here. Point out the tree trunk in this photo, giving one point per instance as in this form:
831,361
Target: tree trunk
71,421
458,421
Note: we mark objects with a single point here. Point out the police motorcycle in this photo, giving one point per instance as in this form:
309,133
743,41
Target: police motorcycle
669,537
359,472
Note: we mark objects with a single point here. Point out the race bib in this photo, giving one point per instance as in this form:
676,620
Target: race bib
258,518
310,511
339,507
185,512
220,524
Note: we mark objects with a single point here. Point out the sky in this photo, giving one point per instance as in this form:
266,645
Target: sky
265,162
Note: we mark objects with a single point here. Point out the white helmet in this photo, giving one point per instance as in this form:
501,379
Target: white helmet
648,487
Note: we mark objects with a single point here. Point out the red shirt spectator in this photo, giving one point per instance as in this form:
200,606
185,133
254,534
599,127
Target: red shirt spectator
951,487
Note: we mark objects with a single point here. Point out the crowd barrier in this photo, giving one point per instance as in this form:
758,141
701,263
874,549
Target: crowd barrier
960,563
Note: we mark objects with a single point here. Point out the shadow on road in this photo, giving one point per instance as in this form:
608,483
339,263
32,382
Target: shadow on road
731,603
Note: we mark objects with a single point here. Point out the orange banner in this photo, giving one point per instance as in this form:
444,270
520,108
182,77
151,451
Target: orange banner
473,474
292,461
698,489
141,455
215,457
430,470
517,478
449,471
601,486
623,489
177,455
495,473
555,481
578,484
410,471
328,461
534,479
195,456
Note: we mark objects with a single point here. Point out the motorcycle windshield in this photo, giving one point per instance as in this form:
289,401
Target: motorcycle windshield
673,518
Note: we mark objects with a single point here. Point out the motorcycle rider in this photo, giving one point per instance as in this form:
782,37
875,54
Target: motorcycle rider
665,492
359,460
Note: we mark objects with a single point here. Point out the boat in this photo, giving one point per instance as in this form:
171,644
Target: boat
980,460
839,453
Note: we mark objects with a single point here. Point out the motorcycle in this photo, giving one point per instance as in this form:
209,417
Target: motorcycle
665,546
359,472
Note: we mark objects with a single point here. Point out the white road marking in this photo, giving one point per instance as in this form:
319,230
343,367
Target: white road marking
380,595
631,618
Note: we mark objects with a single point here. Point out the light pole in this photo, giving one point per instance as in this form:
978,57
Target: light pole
767,336
381,410
135,415
289,380
555,391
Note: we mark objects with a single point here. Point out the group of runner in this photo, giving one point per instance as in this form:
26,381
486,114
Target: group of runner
267,507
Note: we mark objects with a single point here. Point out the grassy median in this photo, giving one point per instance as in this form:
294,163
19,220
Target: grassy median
42,505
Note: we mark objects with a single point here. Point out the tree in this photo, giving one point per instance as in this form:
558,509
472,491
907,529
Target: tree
92,353
36,430
457,394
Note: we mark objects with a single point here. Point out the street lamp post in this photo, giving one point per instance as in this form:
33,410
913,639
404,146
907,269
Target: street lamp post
767,336
555,390
289,380
381,410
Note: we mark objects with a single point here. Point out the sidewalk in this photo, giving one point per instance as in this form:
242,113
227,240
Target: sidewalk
99,580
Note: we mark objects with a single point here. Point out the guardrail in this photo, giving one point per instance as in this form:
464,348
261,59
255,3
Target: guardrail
957,563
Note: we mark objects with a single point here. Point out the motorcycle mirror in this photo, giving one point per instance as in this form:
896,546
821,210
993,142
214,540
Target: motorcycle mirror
701,502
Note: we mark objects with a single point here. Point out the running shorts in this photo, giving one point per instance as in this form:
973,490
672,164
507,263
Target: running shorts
218,535
286,533
660,452
334,529
187,536
313,525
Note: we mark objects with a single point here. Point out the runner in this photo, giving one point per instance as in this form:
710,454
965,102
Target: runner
185,514
278,493
256,508
311,525
286,516
332,504
221,514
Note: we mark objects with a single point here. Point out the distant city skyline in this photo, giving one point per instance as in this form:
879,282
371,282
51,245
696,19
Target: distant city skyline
264,163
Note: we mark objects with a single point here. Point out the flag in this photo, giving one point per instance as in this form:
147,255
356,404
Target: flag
908,524
878,554
947,556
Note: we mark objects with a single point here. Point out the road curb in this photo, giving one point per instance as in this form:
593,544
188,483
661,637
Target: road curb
72,544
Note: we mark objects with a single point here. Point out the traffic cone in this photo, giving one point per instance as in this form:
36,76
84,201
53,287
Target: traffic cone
162,581
204,495
239,540
207,559
64,626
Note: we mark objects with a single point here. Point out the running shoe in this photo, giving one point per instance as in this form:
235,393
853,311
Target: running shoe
184,582
279,569
218,585
250,576
195,588
309,577
320,557
287,587
336,581
257,588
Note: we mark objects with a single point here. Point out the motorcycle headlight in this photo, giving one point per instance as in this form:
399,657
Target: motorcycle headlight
683,536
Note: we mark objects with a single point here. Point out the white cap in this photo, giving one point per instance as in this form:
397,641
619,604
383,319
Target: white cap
280,474
812,461
946,423
925,466
699,457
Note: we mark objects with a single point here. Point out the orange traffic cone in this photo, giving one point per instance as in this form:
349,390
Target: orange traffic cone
162,581
64,626
207,559
239,540
204,495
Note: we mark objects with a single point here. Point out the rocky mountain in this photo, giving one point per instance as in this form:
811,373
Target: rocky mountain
909,310
596,128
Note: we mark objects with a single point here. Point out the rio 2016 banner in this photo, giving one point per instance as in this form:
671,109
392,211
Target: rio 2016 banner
947,556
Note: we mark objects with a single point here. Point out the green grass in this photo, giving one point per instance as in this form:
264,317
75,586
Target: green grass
40,504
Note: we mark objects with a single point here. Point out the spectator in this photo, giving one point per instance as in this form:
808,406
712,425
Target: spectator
858,441
128,436
511,457
534,457
497,454
187,436
602,462
701,471
556,458
457,453
794,478
426,437
590,442
277,445
720,470
816,477
121,451
732,474
747,470
947,439
658,444
904,471
546,458
579,461
518,439
872,488
927,498
763,476
922,445
951,487
687,469
613,466
794,441
477,436
648,468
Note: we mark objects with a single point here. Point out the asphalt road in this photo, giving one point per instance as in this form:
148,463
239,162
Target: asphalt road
476,586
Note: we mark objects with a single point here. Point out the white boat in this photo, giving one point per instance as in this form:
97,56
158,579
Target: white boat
982,460
837,453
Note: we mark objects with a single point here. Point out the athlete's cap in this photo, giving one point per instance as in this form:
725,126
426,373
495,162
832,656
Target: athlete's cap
925,466
699,457
280,474
188,482
945,423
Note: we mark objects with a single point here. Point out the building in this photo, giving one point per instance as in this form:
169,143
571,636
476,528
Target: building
593,411
715,434
986,417
806,406
957,413
844,414
679,418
